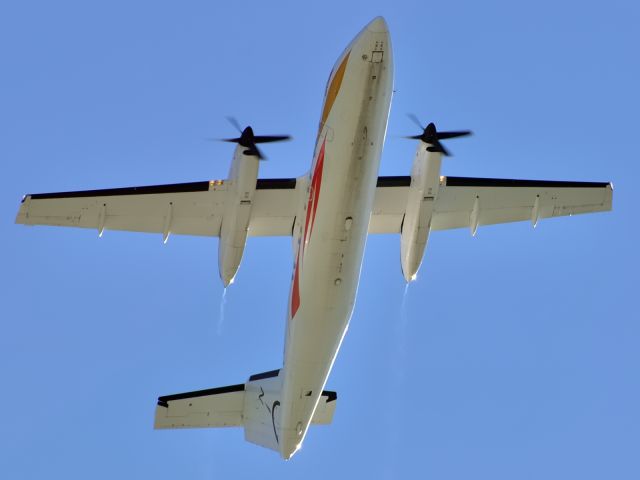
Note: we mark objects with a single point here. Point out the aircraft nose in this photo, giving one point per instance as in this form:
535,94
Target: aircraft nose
378,25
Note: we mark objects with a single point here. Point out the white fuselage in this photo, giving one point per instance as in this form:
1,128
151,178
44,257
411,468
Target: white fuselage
331,227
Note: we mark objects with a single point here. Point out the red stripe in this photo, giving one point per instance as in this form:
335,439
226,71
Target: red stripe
317,180
295,294
312,207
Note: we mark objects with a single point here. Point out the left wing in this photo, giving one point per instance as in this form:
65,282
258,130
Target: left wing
491,200
185,208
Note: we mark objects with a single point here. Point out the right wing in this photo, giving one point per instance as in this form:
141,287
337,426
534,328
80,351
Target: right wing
498,201
185,208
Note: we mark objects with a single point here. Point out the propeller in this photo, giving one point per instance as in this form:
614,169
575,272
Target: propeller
431,136
250,141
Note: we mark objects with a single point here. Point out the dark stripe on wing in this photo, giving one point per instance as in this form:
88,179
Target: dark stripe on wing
163,401
146,190
275,183
396,181
330,396
505,182
262,376
261,184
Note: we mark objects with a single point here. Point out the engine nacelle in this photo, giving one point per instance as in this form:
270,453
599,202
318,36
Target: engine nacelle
425,182
241,182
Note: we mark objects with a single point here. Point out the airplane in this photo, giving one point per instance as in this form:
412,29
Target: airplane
328,213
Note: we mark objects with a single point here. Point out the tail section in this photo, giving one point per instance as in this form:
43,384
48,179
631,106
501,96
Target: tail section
254,405
261,404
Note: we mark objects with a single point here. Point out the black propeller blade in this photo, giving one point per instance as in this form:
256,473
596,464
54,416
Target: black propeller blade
250,141
431,136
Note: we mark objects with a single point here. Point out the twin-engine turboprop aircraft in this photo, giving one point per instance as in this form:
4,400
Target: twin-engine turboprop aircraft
329,213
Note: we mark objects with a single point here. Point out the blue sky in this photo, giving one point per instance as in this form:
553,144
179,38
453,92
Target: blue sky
514,355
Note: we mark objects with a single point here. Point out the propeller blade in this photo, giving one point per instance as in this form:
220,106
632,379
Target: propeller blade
445,135
255,152
249,141
415,120
444,151
230,140
235,123
431,136
270,138
438,147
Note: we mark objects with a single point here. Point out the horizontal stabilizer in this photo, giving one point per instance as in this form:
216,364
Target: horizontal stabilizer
253,405
214,407
325,409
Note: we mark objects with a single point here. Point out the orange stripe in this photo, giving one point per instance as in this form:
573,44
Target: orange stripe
334,88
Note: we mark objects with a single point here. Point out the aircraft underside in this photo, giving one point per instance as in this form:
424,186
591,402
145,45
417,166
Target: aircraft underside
331,242
329,213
